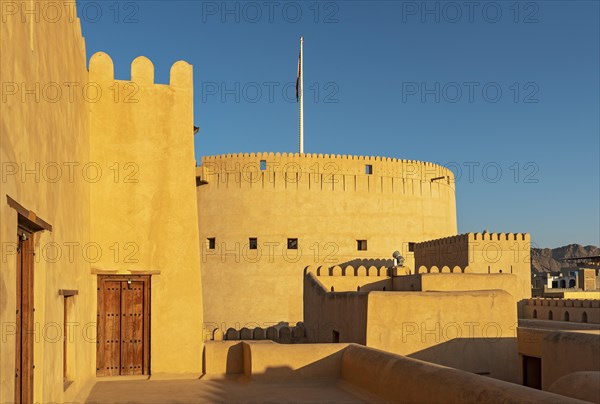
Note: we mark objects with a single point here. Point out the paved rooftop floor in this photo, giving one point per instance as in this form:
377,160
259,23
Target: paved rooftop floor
226,391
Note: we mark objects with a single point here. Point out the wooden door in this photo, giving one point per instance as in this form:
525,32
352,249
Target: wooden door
123,339
24,319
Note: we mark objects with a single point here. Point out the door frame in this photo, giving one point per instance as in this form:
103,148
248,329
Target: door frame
146,279
24,320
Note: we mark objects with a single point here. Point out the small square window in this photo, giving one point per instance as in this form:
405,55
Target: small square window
411,247
369,169
292,244
212,243
263,165
361,245
253,243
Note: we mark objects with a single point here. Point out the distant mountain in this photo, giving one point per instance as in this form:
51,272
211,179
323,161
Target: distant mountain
549,259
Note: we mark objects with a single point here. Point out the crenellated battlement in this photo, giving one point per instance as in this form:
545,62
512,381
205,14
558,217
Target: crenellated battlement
348,270
327,171
478,253
469,237
584,310
382,271
443,270
278,155
559,302
101,69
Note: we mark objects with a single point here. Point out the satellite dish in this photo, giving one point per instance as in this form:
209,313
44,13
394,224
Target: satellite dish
399,258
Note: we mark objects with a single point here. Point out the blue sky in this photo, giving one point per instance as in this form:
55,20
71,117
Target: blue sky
506,93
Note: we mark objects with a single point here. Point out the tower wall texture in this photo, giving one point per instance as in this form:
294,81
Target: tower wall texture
327,202
143,208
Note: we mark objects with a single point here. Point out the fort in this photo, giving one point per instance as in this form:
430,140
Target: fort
245,277
313,201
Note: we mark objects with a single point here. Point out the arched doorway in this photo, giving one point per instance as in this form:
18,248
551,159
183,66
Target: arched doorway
534,313
563,284
584,317
550,315
567,316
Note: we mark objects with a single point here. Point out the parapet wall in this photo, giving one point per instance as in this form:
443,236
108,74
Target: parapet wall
101,70
348,270
572,310
475,249
324,172
431,325
480,253
397,378
386,376
561,351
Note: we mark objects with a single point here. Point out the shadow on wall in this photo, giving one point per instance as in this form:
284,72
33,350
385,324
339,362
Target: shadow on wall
367,262
281,332
482,356
378,286
235,359
388,376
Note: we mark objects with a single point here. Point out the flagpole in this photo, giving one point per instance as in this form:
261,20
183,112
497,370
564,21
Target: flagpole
301,98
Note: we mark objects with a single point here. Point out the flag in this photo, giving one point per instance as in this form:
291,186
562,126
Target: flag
298,77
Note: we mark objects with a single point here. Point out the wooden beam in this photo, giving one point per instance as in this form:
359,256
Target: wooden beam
27,217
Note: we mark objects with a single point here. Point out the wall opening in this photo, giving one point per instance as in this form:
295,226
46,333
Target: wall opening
571,283
361,245
263,165
368,169
336,337
253,243
68,353
584,318
563,284
211,243
550,315
292,243
567,317
532,372
534,313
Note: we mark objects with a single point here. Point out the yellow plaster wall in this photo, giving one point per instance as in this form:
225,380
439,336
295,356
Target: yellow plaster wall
562,352
268,360
456,282
466,330
453,326
324,312
352,283
396,378
327,202
485,253
540,308
565,294
148,212
44,143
